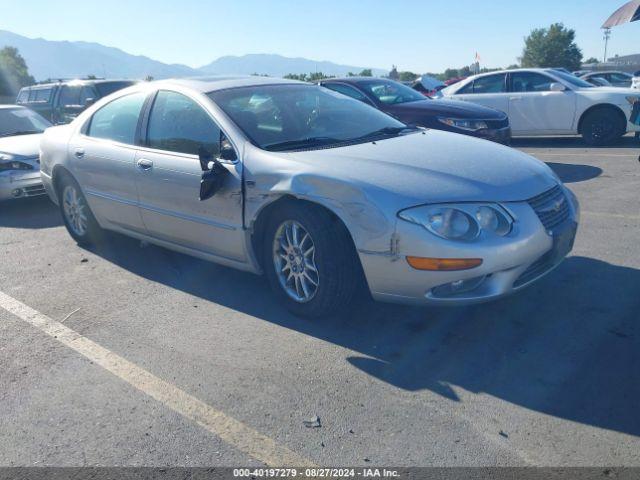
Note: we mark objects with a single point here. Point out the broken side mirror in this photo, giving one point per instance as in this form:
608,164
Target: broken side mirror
213,174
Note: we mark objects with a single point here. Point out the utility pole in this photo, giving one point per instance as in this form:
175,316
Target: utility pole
607,36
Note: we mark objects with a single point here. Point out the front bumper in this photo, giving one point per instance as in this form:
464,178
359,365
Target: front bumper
501,135
509,263
20,184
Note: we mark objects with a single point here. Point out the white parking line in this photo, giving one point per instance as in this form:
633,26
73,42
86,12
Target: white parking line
229,429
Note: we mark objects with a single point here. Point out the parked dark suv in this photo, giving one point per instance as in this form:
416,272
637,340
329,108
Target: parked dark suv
61,102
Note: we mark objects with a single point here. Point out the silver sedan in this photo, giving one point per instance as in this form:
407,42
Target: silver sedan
20,132
318,191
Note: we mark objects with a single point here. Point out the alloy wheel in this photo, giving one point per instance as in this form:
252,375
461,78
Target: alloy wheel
74,210
294,261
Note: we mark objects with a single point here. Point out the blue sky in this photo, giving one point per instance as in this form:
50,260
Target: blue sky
427,35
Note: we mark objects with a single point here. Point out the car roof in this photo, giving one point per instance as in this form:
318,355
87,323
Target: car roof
354,79
605,71
78,82
211,84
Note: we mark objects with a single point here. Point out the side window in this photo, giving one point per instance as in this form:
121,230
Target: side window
530,82
490,84
616,77
87,93
179,124
23,96
468,88
41,95
118,119
70,96
346,90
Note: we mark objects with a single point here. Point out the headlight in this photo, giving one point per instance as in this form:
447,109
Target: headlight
14,165
633,99
471,125
463,222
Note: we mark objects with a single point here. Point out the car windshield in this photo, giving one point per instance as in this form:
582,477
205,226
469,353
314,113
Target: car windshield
391,93
20,121
572,79
298,116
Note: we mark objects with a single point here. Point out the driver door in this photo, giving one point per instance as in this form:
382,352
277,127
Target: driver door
535,109
168,175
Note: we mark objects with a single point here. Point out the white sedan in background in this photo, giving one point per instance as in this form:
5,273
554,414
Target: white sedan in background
635,82
548,102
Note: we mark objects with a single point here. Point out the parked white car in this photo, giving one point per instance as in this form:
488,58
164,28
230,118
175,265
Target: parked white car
635,82
548,102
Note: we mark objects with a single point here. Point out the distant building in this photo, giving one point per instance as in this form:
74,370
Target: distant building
625,63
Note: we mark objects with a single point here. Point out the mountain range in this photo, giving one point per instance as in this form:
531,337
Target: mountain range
64,59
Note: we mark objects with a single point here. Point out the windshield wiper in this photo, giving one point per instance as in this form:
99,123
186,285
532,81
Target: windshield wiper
386,131
20,132
302,143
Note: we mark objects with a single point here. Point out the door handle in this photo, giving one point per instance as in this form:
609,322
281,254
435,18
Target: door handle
79,152
144,164
515,98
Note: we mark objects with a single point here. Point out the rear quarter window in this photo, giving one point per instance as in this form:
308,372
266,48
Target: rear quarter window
23,96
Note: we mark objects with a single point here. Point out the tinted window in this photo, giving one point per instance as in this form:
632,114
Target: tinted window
41,95
346,90
118,119
107,88
490,84
618,77
289,117
70,95
388,92
179,124
87,93
530,82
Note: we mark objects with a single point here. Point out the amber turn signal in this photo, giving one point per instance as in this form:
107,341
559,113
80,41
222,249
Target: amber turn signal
443,264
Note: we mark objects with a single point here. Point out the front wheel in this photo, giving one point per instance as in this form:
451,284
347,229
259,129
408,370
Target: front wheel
310,260
602,127
77,216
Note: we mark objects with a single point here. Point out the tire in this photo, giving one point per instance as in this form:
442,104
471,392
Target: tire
333,265
602,127
76,214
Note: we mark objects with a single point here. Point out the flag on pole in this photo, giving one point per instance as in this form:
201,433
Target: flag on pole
477,57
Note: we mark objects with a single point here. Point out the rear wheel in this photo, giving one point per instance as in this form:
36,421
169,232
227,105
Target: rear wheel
310,261
602,127
77,216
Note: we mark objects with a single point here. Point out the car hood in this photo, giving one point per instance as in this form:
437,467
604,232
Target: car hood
449,108
27,146
428,167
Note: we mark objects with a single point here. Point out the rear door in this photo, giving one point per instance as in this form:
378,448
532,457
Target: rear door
41,101
490,91
535,109
168,175
103,157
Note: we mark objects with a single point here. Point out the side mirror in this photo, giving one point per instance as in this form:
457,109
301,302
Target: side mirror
89,101
213,174
557,87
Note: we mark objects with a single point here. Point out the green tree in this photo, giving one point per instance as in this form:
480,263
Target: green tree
408,76
14,73
366,73
552,47
592,60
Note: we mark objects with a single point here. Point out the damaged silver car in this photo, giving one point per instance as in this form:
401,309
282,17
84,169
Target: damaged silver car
20,132
320,192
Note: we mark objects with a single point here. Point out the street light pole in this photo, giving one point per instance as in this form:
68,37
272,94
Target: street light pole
607,35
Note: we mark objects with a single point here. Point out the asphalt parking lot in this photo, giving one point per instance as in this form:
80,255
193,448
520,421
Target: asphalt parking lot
193,364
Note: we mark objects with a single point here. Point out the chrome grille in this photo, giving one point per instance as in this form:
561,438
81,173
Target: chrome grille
34,190
552,207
